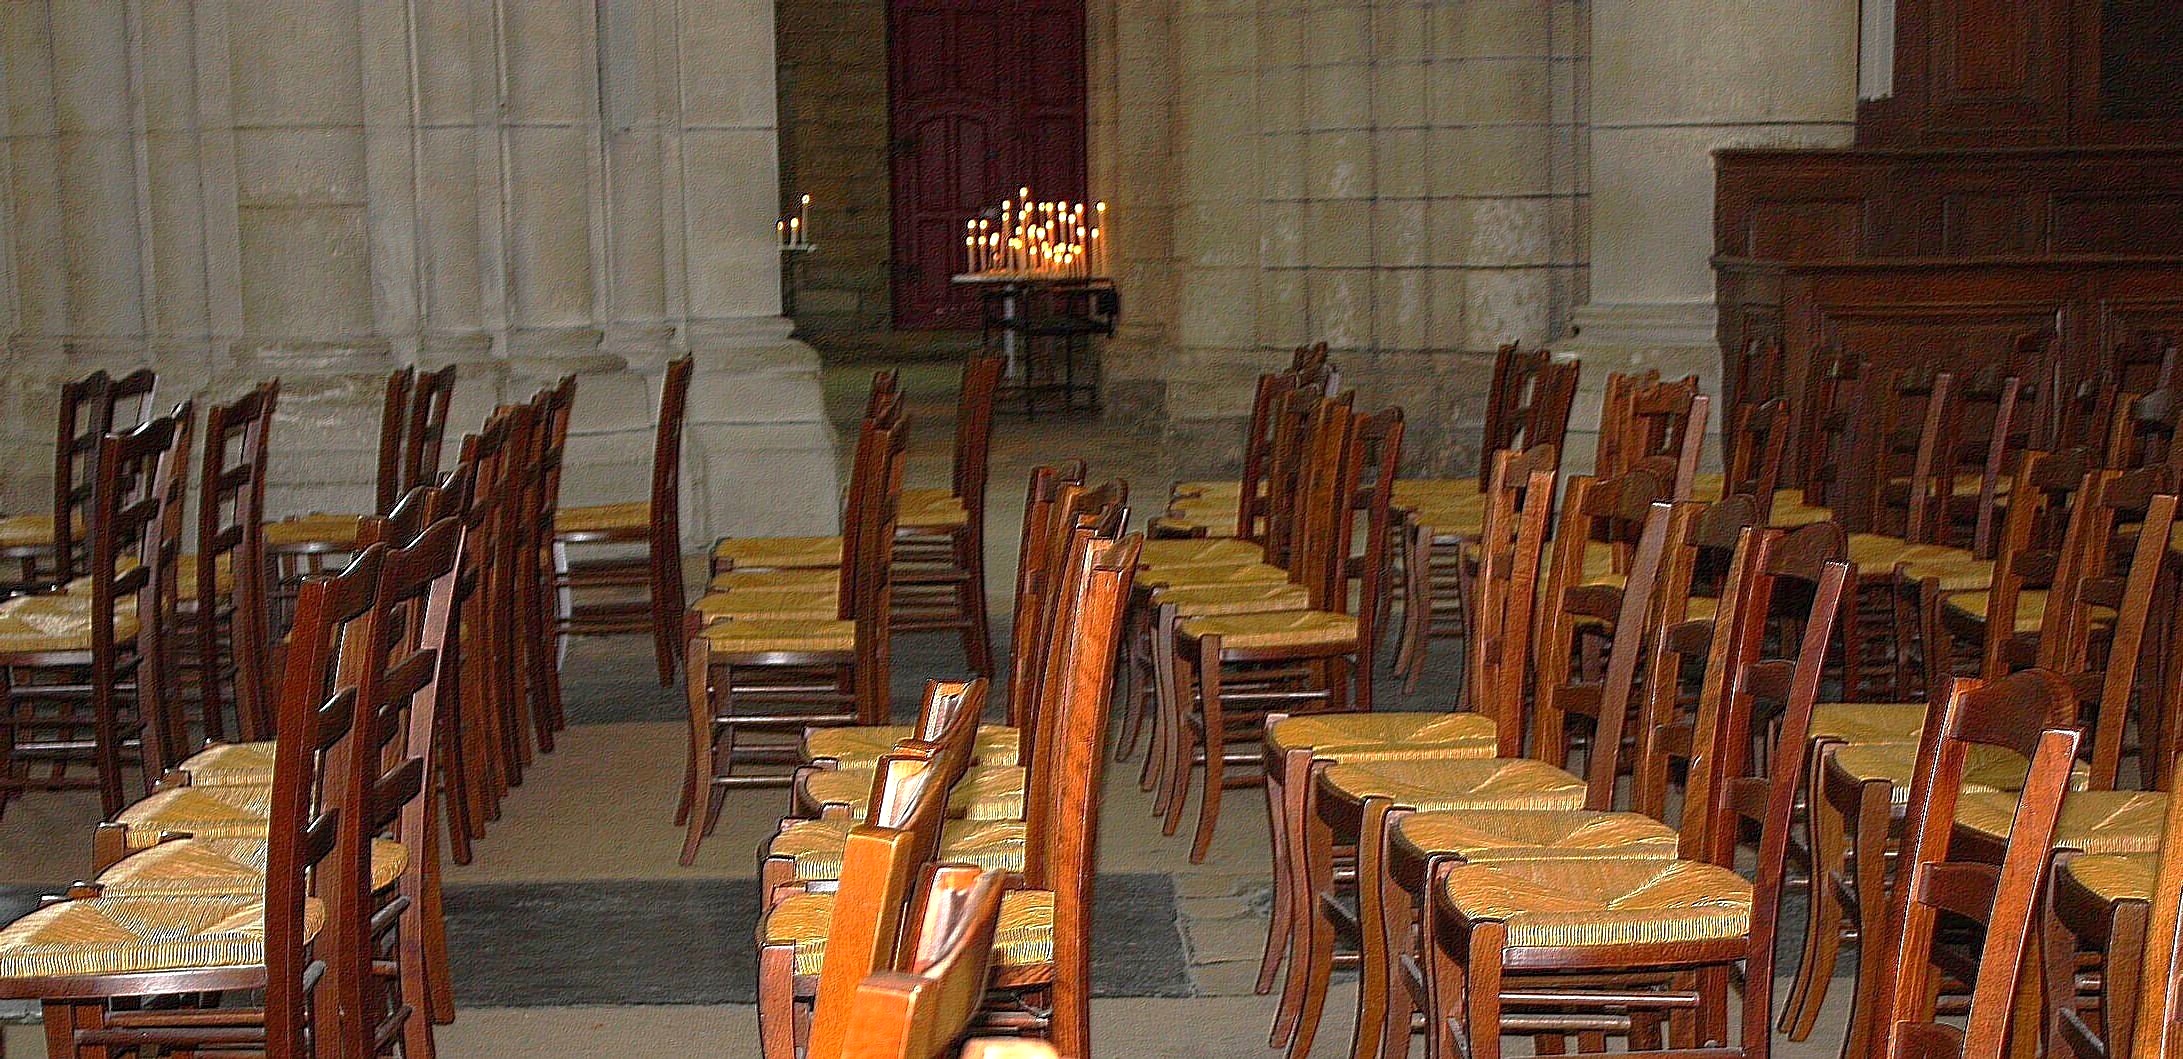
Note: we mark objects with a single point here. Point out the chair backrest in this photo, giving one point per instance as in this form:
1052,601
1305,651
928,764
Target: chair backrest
1830,411
424,431
868,590
1292,435
665,540
971,467
923,1009
1609,700
1704,558
397,702
2029,553
2142,430
1910,434
394,416
1515,374
1062,793
2159,1030
1378,461
946,730
1033,581
136,549
2096,583
316,712
1986,426
880,862
1665,432
1520,499
231,537
1604,514
86,415
1758,438
1251,497
2025,713
1326,493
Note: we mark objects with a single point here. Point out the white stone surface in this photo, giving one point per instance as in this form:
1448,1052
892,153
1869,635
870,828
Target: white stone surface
325,189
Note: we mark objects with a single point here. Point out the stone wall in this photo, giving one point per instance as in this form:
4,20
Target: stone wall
324,189
1404,180
833,73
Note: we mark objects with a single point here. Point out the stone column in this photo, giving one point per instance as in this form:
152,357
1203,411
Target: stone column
1671,81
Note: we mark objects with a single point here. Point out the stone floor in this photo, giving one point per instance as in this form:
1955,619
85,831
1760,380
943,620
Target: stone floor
573,885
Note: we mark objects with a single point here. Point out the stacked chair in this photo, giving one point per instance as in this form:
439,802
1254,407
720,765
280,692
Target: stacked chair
287,908
832,876
49,548
793,632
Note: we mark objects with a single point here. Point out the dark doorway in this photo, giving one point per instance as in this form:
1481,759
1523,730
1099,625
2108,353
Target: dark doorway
985,95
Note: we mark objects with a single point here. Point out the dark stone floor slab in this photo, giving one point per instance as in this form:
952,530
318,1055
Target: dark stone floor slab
691,942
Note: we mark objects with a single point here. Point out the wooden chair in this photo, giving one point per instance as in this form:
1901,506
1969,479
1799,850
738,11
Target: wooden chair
1317,630
1203,508
223,585
1660,427
828,666
792,557
939,560
50,547
923,1009
1550,946
1859,784
1435,565
2158,1033
2014,715
281,940
537,602
1757,444
1306,848
77,689
656,523
1054,498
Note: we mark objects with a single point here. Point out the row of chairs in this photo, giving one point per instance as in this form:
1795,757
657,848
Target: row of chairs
271,896
1396,799
877,806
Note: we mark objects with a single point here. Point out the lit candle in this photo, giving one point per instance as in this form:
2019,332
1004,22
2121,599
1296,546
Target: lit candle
780,232
803,216
795,231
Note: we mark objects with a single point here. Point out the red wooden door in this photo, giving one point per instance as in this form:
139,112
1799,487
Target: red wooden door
985,96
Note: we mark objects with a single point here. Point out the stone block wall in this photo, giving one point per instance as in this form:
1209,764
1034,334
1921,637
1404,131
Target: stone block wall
834,147
1405,180
323,190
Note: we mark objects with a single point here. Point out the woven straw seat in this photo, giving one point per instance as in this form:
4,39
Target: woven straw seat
632,517
1228,489
808,580
861,746
1205,601
778,553
58,623
1212,574
2031,609
1955,575
1382,736
1988,768
1294,628
231,765
756,635
334,532
26,531
986,792
781,605
1220,551
1868,722
1708,487
1467,519
1604,902
1878,553
1790,514
1460,783
1024,938
121,935
1409,492
1527,834
185,577
2091,821
930,509
2112,877
815,846
1192,523
222,866
205,812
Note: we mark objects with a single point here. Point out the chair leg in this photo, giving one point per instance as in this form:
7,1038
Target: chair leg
777,1002
64,1018
1216,745
970,596
1868,857
697,770
1313,966
430,926
1482,990
1822,908
1282,926
2124,978
1377,959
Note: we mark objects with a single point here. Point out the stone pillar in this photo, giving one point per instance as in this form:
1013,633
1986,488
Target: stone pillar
1671,81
